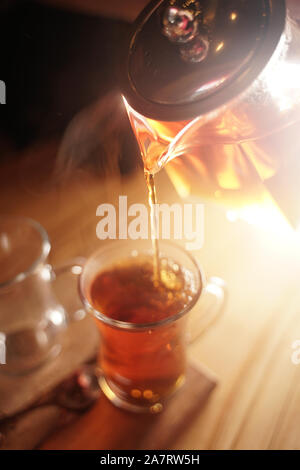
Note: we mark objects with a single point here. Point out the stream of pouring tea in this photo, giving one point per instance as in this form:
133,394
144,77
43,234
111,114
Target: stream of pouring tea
154,232
151,151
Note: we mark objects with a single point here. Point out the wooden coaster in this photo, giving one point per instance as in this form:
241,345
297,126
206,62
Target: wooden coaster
107,427
29,421
180,411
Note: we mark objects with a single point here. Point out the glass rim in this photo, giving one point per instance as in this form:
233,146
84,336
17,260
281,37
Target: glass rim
45,248
119,324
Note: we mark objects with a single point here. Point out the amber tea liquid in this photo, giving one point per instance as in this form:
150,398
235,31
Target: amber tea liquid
142,365
216,162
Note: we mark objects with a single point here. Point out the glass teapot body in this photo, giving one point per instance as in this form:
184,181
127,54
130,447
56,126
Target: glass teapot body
242,150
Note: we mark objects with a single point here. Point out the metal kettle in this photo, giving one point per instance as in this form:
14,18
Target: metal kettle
212,89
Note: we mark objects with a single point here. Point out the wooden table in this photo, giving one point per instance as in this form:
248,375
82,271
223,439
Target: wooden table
257,402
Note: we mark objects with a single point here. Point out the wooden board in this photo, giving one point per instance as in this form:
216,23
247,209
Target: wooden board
256,404
107,427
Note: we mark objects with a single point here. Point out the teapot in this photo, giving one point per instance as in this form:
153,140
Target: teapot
212,90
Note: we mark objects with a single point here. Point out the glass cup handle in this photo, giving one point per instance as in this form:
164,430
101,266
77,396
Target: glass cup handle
65,283
209,307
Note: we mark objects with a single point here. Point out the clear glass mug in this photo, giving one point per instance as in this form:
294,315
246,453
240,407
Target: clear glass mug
143,364
32,318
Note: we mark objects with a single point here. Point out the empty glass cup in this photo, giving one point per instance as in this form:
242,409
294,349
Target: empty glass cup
32,319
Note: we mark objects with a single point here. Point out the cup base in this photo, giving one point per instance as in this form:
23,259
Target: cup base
153,408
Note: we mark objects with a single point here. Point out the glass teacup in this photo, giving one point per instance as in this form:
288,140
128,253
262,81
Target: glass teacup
143,341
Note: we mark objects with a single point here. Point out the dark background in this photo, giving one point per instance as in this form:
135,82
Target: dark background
55,62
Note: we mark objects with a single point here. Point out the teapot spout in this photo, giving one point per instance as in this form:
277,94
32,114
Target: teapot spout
152,146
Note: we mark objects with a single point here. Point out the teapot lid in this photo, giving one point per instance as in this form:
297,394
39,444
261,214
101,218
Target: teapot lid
188,57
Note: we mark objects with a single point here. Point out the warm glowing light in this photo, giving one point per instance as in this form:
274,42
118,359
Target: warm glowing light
46,273
161,130
232,216
226,177
76,270
220,46
211,85
4,242
79,314
56,316
125,101
282,77
233,16
265,216
284,85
